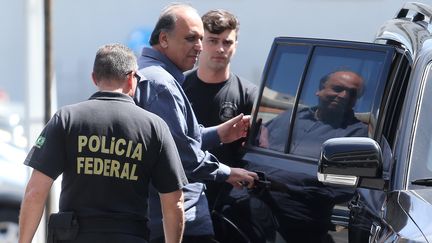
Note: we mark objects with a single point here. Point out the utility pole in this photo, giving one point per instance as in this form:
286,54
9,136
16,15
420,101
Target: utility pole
48,70
48,59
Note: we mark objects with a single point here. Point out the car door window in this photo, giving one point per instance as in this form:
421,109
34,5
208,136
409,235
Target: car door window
316,92
280,91
336,97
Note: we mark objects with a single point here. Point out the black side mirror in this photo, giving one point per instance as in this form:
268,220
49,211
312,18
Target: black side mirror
349,160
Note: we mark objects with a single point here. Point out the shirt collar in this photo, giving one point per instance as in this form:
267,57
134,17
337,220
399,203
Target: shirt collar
348,119
308,113
108,95
169,66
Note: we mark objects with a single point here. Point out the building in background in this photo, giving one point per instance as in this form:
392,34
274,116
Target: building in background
79,29
81,26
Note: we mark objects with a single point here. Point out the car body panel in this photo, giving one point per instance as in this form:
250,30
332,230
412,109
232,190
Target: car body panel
416,204
387,206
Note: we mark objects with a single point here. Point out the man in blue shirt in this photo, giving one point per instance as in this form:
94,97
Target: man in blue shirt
304,211
175,46
332,117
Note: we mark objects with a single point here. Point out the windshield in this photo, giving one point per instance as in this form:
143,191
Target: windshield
421,165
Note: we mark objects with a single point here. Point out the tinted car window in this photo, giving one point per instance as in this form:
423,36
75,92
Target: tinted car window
283,80
342,97
296,87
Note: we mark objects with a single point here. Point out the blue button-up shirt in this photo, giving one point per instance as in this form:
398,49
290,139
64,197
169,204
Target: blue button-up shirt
160,92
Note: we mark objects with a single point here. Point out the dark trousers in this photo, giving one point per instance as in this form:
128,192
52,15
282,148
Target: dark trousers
306,236
191,239
105,237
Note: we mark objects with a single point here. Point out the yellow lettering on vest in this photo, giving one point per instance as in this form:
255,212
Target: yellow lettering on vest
115,166
88,165
98,166
94,143
107,164
82,141
103,146
112,145
133,177
120,151
125,171
80,164
129,148
137,154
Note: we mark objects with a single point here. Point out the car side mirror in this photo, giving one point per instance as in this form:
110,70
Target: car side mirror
350,161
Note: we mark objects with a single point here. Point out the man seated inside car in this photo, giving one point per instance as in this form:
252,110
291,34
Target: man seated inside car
332,117
304,209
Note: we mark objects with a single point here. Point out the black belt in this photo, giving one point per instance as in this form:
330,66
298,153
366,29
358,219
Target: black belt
113,225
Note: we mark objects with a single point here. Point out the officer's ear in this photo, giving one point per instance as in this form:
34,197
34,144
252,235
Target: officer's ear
94,79
130,82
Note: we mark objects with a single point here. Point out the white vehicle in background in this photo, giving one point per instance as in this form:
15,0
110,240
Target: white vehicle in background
13,174
13,177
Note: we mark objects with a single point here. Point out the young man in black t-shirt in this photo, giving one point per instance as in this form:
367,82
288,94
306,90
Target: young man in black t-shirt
217,94
108,150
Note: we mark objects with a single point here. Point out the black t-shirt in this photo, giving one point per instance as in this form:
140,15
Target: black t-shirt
214,104
108,150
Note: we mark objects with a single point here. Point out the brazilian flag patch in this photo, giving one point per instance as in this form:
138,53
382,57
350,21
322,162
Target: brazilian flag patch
40,141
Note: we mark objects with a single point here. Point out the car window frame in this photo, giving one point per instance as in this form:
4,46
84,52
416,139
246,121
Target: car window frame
389,55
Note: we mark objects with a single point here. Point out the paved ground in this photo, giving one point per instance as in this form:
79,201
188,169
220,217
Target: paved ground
340,236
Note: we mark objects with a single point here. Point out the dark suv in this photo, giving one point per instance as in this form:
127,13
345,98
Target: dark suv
366,165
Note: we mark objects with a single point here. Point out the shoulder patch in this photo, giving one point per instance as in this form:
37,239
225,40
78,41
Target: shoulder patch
40,141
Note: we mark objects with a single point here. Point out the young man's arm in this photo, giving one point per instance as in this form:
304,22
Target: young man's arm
173,215
33,204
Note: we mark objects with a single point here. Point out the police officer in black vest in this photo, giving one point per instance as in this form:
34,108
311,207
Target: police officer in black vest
108,150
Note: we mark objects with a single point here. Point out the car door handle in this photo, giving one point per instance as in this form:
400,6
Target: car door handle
374,231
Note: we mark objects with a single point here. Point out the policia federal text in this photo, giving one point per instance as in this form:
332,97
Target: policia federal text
108,167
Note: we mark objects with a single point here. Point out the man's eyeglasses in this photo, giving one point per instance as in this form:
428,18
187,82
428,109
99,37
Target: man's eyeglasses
136,75
138,78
